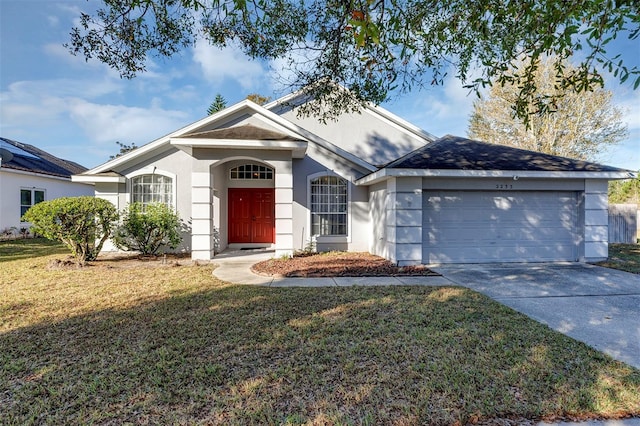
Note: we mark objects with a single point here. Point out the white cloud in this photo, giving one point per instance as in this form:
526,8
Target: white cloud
38,89
54,21
60,116
73,12
78,62
108,123
227,63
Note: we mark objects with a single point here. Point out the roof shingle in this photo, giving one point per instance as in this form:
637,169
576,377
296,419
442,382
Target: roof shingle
457,153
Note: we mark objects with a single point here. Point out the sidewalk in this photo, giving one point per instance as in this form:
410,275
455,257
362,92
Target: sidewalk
235,267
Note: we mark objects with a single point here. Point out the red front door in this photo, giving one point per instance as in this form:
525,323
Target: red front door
251,215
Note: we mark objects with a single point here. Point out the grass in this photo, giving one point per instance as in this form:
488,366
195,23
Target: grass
173,345
625,257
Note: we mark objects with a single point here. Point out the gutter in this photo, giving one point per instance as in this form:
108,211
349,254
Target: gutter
384,174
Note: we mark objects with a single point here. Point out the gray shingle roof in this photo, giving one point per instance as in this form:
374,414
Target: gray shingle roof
38,161
457,153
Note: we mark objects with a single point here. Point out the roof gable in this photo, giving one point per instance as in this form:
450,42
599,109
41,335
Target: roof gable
28,158
245,131
207,127
372,133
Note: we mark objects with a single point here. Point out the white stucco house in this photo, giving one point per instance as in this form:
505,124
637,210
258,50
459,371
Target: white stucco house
260,176
29,175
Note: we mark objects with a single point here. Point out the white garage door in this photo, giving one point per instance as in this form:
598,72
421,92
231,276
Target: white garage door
479,227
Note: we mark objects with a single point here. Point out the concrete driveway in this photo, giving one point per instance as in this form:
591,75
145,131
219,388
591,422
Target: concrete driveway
598,306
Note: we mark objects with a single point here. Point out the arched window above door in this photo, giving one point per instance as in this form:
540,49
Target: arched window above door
251,172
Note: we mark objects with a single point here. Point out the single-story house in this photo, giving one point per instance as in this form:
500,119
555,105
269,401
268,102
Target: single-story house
29,175
260,176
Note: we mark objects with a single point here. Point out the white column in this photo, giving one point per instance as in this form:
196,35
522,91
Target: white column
284,207
201,216
596,220
404,220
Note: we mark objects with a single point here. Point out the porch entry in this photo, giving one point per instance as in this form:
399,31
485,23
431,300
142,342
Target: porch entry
251,215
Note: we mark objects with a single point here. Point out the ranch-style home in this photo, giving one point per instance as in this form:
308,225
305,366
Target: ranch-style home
254,176
29,175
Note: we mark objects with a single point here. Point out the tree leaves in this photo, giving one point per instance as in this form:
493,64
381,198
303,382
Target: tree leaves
218,104
583,123
83,224
374,48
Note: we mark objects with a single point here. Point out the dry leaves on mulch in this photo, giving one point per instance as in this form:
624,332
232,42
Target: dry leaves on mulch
337,264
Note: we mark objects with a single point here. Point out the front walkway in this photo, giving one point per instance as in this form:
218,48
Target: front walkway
235,267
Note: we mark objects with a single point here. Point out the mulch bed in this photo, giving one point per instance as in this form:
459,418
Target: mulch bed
337,264
120,260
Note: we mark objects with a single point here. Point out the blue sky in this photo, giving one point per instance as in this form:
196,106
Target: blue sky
78,110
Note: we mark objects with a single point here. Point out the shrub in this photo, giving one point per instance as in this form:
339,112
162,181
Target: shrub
83,224
147,228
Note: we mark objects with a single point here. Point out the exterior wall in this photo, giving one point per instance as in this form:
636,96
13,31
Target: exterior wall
173,162
596,220
378,219
370,137
11,182
502,184
319,160
113,192
201,185
220,218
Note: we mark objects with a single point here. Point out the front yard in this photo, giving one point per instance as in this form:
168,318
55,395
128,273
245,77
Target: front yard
625,257
171,344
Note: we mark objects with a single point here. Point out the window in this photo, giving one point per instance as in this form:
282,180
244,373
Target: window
148,189
251,171
30,197
328,206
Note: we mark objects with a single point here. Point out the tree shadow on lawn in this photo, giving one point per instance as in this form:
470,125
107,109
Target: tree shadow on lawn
255,355
29,248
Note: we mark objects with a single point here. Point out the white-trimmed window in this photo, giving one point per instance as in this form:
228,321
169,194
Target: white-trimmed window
152,188
251,172
30,197
329,206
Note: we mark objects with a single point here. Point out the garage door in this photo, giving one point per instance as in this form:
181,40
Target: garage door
479,227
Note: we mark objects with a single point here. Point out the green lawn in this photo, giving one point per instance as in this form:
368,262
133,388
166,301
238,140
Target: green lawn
625,257
174,345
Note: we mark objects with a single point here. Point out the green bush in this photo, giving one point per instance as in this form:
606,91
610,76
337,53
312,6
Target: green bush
83,224
148,228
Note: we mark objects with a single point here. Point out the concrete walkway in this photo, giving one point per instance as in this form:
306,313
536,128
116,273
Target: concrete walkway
235,267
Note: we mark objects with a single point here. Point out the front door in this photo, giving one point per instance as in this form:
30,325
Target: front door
251,215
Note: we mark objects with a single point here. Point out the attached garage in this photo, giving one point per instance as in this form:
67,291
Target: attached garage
457,200
492,226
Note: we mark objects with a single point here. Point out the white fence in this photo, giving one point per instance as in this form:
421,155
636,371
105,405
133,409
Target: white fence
623,223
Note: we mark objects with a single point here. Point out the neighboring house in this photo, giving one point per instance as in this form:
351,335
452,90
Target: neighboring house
259,176
28,176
